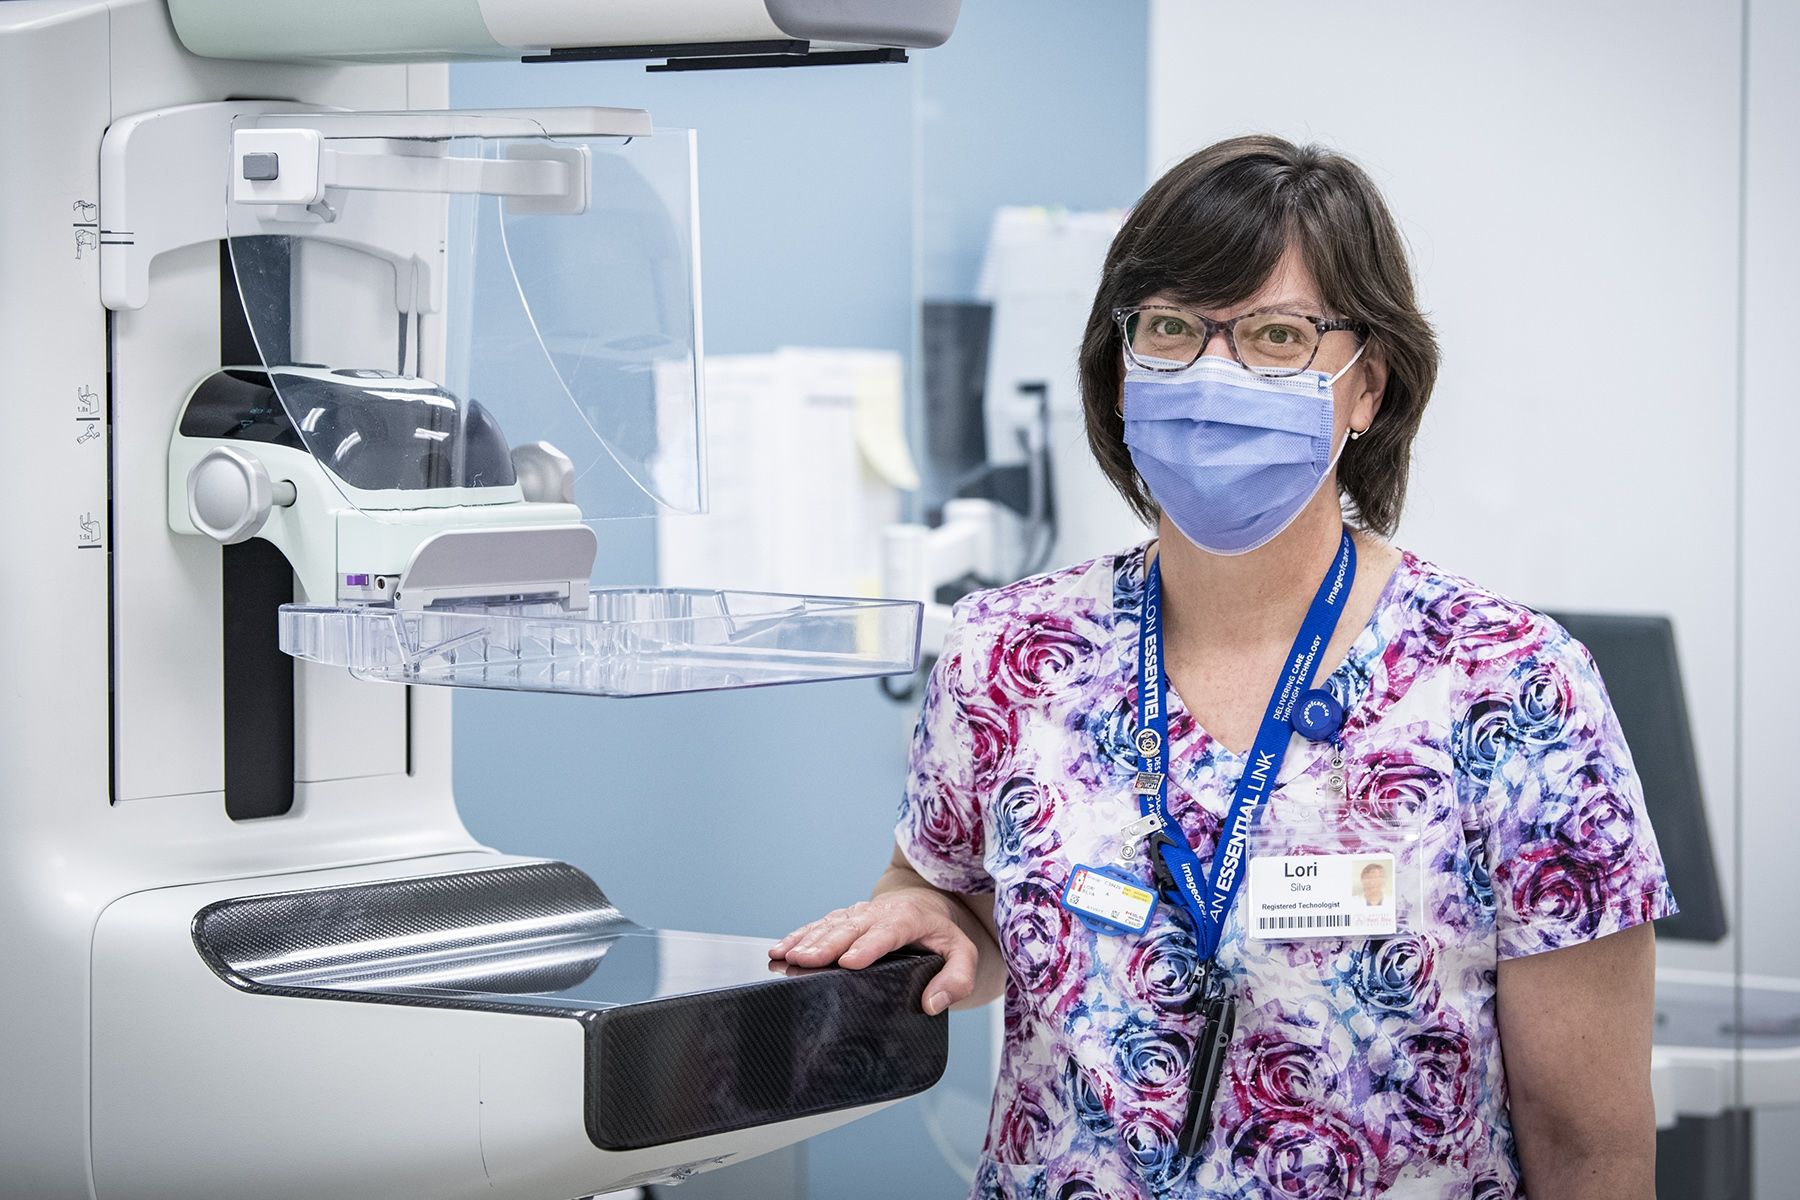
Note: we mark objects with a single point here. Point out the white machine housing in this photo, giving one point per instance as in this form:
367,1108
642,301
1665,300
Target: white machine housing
133,1069
350,29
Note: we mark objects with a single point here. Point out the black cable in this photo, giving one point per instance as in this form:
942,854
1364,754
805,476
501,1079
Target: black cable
899,695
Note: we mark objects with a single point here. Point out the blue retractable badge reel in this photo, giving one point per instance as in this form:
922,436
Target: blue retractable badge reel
1317,715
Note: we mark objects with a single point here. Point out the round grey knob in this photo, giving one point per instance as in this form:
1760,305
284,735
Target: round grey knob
229,495
545,473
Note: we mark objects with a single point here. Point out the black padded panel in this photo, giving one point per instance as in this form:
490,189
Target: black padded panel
714,1062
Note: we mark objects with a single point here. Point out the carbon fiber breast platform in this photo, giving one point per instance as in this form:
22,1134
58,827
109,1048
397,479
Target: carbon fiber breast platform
685,1034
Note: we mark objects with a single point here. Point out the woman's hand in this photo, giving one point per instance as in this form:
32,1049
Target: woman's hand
905,911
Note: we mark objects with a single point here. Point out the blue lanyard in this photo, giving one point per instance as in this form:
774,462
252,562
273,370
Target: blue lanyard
1207,896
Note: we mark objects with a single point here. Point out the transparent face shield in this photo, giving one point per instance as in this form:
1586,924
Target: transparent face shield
471,289
479,334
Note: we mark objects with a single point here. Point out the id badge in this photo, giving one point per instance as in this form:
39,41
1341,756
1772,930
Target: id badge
1315,877
1108,901
1322,895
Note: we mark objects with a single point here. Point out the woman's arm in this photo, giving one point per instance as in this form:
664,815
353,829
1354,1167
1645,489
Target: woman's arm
1575,1030
907,911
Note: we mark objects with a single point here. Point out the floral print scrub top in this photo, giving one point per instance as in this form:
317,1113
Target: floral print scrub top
1360,1067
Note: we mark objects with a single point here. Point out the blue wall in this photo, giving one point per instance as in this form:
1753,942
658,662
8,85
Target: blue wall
823,192
1029,103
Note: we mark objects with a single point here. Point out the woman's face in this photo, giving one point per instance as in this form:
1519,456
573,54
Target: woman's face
1290,287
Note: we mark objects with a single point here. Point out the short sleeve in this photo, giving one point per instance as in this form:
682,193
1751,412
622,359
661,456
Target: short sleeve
1560,813
941,829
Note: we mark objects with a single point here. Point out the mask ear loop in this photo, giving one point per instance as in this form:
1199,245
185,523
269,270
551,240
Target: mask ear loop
1353,361
1350,435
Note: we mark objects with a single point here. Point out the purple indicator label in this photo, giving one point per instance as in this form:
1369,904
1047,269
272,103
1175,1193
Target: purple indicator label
356,581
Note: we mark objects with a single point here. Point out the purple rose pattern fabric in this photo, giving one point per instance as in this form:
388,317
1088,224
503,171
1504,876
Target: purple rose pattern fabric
1363,1067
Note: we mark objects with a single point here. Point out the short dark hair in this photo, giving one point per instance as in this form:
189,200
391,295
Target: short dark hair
1210,232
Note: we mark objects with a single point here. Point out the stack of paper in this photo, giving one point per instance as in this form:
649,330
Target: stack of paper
806,460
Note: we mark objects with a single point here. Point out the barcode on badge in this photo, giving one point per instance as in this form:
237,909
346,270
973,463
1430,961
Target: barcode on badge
1326,921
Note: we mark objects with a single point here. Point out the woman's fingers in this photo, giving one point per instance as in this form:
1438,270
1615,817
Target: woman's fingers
820,943
882,937
940,936
957,979
805,933
856,936
780,949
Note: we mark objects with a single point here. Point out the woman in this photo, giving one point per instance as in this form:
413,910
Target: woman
1254,370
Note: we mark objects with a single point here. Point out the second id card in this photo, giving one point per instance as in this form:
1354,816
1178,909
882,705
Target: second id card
1108,901
1321,895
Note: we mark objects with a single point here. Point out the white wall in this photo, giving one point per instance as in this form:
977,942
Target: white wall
1568,177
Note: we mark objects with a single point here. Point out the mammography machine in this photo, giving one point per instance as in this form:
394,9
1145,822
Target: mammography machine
305,373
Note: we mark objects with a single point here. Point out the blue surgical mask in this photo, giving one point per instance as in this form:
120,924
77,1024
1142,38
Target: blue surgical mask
1231,457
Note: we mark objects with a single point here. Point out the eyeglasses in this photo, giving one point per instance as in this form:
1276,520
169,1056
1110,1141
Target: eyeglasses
1272,342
